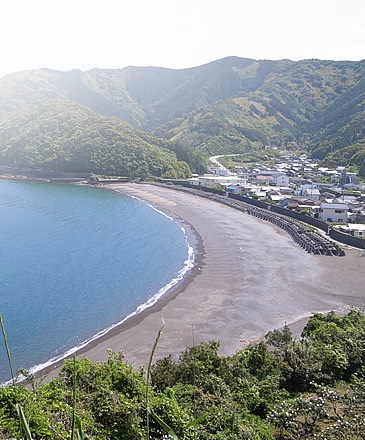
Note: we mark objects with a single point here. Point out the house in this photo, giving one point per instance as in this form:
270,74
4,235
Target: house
360,216
286,190
349,179
233,189
333,212
351,201
261,194
288,202
313,209
275,197
300,181
328,196
311,193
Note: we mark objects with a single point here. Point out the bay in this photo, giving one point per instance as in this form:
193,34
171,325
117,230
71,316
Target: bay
74,261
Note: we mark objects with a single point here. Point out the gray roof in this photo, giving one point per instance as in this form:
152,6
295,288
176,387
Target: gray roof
334,206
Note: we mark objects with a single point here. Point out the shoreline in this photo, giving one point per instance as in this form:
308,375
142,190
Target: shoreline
183,274
201,305
193,240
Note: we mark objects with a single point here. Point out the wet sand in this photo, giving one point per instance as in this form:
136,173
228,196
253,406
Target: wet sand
249,278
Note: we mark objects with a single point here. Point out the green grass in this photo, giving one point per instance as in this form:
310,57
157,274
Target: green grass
23,421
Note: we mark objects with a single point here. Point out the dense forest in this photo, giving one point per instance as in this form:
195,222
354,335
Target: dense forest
232,105
63,135
280,388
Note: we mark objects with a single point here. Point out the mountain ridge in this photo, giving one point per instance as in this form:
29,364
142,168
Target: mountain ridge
231,105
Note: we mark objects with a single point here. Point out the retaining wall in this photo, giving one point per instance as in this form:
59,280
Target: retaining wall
203,188
333,233
43,174
347,239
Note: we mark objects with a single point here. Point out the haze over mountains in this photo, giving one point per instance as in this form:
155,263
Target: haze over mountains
112,121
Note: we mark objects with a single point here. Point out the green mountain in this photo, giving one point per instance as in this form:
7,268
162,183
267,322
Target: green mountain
232,105
62,135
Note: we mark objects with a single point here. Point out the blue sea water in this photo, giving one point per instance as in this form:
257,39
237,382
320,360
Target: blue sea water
76,260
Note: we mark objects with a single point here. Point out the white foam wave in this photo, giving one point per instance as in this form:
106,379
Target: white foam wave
161,212
188,265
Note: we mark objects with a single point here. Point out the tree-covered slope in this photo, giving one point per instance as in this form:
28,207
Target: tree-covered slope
229,105
63,135
342,125
282,103
351,155
235,104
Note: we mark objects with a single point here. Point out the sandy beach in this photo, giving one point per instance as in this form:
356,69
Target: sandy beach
249,278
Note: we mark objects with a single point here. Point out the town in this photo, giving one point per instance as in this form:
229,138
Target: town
296,182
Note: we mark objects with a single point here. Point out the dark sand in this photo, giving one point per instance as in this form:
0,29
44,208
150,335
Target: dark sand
250,278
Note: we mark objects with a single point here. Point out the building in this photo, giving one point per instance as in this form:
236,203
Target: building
311,193
349,179
360,216
280,179
220,171
357,230
333,212
233,189
213,179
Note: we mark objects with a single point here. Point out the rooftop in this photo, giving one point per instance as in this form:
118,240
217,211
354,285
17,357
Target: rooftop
342,206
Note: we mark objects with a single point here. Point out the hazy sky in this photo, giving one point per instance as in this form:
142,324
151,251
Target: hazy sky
85,34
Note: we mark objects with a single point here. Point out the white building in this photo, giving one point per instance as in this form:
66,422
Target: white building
220,171
333,212
280,179
212,179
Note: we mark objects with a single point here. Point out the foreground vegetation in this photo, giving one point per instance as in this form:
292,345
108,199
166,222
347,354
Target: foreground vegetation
311,388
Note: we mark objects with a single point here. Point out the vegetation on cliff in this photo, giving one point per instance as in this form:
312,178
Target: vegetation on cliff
311,388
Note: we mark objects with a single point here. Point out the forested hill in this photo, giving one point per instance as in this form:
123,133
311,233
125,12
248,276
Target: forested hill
63,135
229,105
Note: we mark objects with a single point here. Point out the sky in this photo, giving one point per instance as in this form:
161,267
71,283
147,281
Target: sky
112,34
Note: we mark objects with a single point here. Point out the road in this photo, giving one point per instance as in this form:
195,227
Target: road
214,159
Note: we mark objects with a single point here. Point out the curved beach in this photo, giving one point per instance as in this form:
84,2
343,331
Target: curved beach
249,278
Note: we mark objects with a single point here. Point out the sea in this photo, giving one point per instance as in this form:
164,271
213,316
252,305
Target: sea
74,262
